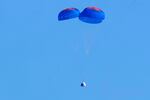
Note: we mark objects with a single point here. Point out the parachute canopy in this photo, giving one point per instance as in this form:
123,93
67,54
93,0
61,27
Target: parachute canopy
92,15
68,13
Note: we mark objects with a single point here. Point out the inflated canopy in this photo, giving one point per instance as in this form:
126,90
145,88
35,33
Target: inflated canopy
68,13
92,15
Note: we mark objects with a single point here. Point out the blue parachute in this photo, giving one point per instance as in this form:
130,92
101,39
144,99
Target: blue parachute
68,13
92,15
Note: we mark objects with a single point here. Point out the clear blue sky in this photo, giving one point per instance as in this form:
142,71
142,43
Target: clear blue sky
43,59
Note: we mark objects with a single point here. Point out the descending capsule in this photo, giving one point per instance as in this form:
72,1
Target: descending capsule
92,15
83,84
68,13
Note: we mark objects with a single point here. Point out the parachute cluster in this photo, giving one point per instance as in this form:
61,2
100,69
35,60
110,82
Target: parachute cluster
92,15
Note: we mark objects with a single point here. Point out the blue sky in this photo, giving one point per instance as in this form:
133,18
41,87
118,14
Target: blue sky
44,59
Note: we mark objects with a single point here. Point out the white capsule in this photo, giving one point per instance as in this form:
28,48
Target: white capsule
83,84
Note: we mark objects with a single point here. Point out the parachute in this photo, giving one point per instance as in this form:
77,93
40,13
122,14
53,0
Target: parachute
91,15
68,13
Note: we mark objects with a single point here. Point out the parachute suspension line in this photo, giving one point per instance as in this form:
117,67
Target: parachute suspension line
86,51
87,45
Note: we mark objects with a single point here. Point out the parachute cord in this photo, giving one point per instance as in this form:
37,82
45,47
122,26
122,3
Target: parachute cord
87,51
